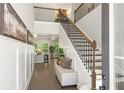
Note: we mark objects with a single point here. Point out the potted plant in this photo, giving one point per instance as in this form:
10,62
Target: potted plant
51,49
56,51
60,52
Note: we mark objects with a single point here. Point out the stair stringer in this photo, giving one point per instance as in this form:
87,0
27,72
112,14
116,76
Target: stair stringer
84,78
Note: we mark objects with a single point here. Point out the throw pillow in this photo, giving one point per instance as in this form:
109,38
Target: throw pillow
66,64
58,62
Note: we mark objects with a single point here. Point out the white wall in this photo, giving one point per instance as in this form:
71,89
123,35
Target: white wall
83,76
46,28
26,13
16,59
118,42
14,64
118,27
45,15
91,25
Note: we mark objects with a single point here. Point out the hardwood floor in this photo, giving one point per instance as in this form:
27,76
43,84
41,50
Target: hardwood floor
44,78
120,85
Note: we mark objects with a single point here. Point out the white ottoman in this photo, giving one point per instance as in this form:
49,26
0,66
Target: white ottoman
66,77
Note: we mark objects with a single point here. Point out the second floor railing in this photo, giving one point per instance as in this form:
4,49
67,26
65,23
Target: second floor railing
83,10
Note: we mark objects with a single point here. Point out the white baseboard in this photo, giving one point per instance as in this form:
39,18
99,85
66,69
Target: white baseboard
29,79
79,85
82,87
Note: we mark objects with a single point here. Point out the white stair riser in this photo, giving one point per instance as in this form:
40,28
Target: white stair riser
98,71
96,52
77,40
98,64
96,57
98,77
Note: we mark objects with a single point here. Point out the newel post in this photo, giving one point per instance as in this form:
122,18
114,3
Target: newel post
93,87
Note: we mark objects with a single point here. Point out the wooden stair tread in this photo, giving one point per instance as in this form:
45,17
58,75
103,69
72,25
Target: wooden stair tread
88,50
97,67
91,55
83,45
97,60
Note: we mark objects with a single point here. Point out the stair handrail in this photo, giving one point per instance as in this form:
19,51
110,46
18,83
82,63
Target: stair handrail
88,40
93,45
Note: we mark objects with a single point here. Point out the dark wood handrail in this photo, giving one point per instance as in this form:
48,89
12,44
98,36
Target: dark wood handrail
45,8
88,40
56,9
77,10
93,45
79,7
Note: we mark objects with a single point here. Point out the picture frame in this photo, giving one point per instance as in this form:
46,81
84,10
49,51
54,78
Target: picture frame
12,26
30,38
1,18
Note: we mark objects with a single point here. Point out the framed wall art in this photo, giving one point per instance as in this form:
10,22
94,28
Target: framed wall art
1,18
30,38
12,26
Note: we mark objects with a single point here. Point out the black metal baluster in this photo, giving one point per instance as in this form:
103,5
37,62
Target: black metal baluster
85,52
92,59
88,58
68,26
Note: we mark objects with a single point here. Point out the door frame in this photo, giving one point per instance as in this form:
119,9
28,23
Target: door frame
105,45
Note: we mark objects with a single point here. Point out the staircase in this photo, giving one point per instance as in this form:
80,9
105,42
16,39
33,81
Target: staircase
90,55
